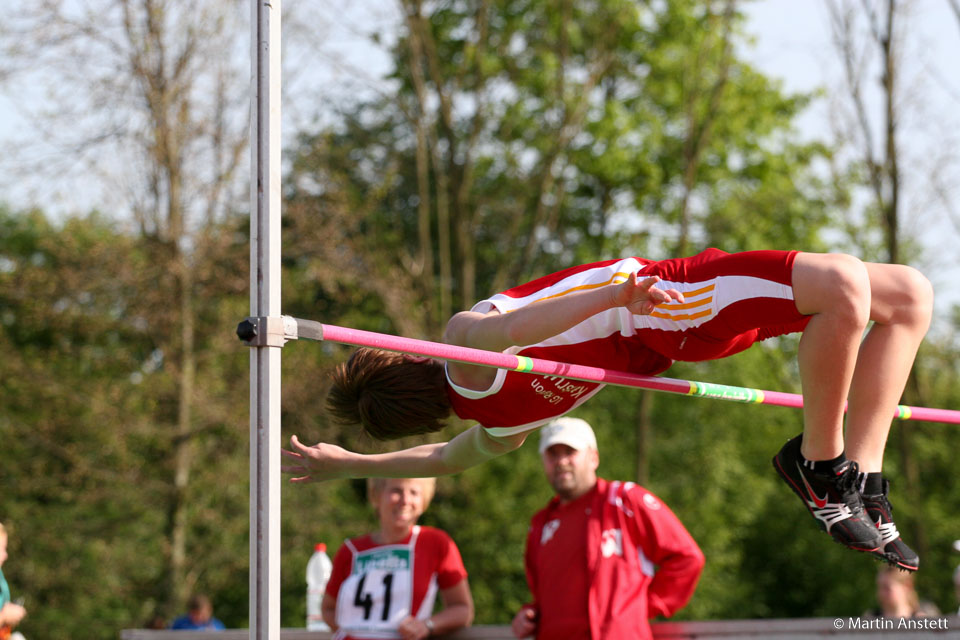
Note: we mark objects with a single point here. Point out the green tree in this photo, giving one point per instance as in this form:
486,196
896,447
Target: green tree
86,390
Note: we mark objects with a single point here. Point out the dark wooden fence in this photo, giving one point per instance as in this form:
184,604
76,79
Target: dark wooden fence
844,628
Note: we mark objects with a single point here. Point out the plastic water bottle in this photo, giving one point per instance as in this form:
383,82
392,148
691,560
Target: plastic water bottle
319,569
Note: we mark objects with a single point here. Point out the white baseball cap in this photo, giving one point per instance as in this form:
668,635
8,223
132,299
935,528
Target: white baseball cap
573,432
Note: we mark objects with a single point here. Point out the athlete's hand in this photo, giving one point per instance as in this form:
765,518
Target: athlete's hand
524,624
313,464
411,628
641,296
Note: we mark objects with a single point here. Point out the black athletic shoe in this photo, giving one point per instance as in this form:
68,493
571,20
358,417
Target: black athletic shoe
832,498
892,548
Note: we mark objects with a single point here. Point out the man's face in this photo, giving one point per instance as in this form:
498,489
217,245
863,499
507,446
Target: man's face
571,472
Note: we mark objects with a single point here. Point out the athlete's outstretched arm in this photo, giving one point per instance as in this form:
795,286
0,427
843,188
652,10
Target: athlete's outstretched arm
552,316
327,461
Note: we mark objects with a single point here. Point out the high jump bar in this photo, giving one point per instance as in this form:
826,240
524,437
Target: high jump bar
285,328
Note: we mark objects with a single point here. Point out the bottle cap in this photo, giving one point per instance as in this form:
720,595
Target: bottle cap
320,546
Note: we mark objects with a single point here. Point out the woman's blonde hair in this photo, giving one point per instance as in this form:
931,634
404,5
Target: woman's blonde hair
375,487
906,579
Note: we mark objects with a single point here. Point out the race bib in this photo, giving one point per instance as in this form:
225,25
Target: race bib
378,594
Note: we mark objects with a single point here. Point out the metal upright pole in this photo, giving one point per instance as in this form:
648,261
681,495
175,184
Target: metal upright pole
265,302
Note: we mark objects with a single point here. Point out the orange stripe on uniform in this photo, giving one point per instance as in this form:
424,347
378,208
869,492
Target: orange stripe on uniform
583,287
690,316
669,306
706,289
667,310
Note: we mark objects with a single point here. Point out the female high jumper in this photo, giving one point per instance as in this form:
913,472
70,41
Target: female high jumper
639,316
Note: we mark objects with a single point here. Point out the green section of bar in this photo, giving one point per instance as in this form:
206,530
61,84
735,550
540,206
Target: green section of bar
726,392
524,364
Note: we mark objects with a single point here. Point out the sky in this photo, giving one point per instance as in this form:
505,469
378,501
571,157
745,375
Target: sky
792,43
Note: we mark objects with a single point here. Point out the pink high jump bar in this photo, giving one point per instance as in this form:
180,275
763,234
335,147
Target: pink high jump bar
312,330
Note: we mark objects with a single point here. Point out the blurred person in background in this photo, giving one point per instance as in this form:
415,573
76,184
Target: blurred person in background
384,584
155,622
602,558
956,585
956,575
199,616
897,597
11,613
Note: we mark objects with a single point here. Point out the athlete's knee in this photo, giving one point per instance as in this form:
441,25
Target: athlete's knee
853,285
916,307
837,284
921,291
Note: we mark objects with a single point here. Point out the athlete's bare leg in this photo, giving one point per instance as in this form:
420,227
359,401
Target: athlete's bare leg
841,294
900,308
835,289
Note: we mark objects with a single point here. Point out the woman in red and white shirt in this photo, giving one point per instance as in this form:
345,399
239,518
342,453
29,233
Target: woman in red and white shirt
384,584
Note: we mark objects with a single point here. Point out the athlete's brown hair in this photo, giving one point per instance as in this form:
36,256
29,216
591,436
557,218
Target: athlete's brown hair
390,394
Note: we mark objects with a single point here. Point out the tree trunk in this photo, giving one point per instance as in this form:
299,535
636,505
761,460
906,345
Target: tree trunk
183,444
698,130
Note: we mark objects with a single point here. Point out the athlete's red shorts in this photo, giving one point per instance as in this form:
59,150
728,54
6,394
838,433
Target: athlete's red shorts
747,319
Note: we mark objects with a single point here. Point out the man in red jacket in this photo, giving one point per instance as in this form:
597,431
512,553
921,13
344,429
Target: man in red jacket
602,558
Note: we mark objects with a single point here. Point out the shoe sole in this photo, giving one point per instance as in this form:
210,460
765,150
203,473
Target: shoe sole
803,499
893,561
